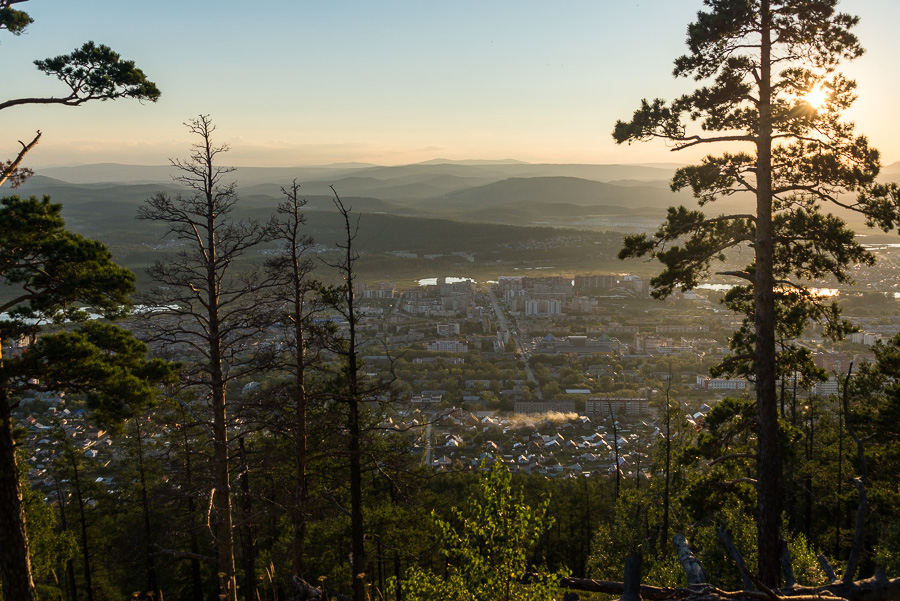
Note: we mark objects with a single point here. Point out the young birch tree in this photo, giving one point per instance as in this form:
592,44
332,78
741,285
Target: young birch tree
770,91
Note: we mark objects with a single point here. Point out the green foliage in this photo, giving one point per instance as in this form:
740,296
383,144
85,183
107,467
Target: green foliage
49,547
873,411
96,72
624,534
737,517
487,549
14,21
887,553
804,560
814,158
54,274
637,522
102,360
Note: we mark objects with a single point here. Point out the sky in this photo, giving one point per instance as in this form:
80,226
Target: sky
389,82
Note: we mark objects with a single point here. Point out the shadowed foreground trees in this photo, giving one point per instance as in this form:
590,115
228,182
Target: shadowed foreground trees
53,276
764,61
57,273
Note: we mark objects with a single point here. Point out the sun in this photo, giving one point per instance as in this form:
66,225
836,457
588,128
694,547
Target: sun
816,97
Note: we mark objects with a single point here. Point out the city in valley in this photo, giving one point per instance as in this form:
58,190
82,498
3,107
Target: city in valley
533,371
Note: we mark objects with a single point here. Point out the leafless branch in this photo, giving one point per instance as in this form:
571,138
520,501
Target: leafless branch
11,168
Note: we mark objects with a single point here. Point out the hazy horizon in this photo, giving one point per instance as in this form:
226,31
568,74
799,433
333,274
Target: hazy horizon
388,83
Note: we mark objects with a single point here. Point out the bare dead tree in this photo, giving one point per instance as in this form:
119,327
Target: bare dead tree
354,390
352,393
208,308
297,294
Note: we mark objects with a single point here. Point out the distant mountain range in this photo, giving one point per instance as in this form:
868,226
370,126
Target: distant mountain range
616,197
575,214
629,197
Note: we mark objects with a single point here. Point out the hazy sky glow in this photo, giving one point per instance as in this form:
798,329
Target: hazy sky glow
388,82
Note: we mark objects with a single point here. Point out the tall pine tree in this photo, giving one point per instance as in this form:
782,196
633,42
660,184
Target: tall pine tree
769,90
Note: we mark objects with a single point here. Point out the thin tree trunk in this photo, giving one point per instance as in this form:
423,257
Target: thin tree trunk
396,555
222,492
665,527
85,543
300,433
807,480
196,577
856,547
150,560
249,536
70,566
356,517
840,476
222,498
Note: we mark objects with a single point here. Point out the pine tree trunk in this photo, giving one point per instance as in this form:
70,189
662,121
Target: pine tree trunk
357,534
665,524
356,517
768,493
15,561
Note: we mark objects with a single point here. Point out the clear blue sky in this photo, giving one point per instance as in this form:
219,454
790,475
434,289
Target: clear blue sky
389,82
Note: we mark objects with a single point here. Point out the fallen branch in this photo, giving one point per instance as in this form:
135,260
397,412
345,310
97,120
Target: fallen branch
878,588
736,556
787,567
759,584
609,587
327,495
656,593
692,566
826,567
869,589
